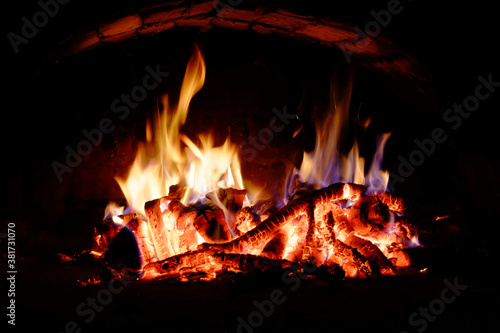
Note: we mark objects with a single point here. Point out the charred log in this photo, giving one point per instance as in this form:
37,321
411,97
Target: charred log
369,216
372,252
296,209
275,248
123,252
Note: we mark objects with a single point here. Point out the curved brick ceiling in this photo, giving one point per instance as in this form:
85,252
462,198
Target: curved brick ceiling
378,54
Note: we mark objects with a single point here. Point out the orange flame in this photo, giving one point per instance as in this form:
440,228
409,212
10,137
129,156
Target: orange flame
162,161
169,157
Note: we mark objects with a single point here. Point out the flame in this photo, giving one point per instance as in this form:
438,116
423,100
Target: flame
354,170
210,168
377,180
324,165
321,166
169,157
113,209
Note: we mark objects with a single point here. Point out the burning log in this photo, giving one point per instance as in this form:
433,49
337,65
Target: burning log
123,252
109,229
247,263
300,188
275,248
257,238
312,226
395,204
265,208
364,239
369,216
142,234
219,213
246,220
211,225
309,246
372,253
400,258
212,263
176,192
232,198
105,231
352,262
172,226
296,209
366,248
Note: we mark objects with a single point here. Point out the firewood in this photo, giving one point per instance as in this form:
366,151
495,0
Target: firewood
400,258
247,263
297,209
373,253
142,234
318,225
123,252
352,262
265,208
212,262
185,217
232,198
176,192
300,188
368,216
275,248
106,230
309,246
211,225
395,203
164,219
259,236
246,220
341,224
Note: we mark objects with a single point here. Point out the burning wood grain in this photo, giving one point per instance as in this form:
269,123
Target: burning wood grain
363,239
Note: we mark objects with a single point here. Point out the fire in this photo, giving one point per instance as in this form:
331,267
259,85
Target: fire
325,165
163,161
190,216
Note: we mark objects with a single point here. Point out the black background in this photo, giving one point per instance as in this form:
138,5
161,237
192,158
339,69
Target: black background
455,41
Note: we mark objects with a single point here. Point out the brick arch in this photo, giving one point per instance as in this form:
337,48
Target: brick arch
377,53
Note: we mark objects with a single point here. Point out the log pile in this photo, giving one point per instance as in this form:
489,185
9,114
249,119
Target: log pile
337,226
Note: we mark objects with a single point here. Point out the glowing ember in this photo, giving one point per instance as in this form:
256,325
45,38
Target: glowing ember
190,216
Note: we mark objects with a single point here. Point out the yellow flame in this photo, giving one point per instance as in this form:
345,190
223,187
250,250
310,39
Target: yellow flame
113,209
354,166
169,157
210,168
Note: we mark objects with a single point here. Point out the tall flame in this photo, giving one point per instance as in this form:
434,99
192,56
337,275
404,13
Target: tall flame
377,179
321,166
169,157
324,165
163,161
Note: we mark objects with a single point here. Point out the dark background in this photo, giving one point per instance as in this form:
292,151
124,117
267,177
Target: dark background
46,106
